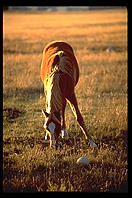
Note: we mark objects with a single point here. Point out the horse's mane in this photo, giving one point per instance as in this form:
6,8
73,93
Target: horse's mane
53,92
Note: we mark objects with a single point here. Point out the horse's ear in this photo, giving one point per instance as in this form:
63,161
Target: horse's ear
45,114
56,60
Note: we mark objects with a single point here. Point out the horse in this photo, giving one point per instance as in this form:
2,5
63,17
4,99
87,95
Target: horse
59,73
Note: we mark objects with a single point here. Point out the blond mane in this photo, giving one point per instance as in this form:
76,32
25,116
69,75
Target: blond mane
53,92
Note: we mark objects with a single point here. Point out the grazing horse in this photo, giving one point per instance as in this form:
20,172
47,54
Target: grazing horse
60,73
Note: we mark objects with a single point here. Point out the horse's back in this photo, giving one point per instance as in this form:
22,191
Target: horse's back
56,46
50,51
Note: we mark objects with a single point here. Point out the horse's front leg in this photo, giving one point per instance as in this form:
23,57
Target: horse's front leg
74,106
64,132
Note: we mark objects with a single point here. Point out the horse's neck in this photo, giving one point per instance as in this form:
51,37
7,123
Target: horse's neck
54,96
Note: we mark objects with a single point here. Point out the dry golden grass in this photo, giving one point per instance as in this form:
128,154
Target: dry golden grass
101,93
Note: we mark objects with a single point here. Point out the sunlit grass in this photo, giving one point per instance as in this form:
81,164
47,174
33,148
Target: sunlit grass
28,164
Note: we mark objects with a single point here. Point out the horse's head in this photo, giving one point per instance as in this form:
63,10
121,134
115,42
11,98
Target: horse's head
52,125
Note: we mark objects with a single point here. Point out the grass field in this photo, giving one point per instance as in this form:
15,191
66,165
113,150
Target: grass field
28,164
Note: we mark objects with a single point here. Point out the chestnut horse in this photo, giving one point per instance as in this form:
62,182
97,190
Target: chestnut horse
60,73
